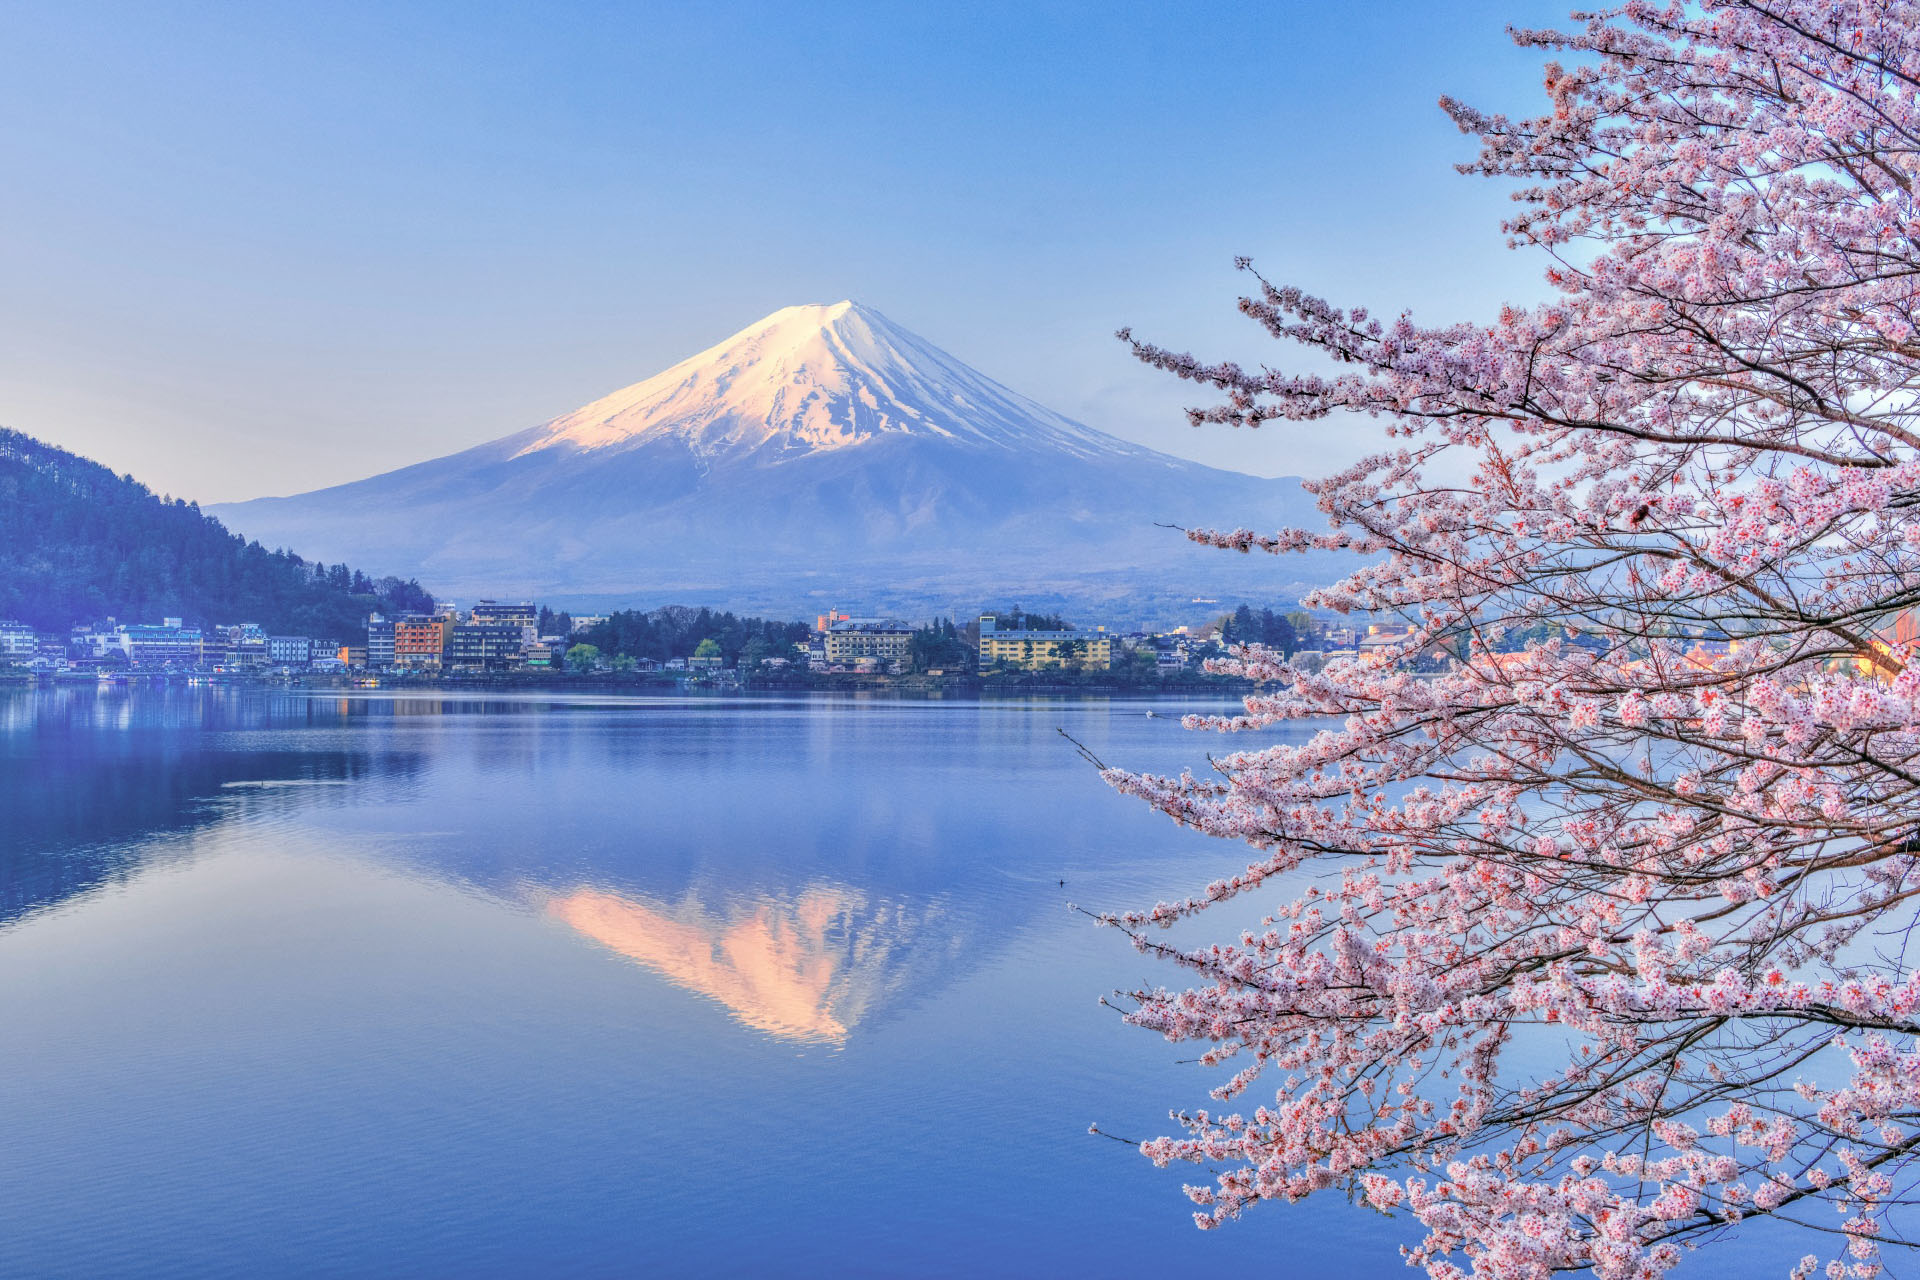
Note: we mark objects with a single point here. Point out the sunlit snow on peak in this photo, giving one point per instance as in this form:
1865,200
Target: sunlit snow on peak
813,378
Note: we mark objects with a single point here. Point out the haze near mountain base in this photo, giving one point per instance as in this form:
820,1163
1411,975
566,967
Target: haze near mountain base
822,454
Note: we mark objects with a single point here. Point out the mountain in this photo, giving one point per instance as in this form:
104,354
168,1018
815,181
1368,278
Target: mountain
78,543
822,455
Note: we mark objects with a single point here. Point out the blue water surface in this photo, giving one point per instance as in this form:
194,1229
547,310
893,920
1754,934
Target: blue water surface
398,985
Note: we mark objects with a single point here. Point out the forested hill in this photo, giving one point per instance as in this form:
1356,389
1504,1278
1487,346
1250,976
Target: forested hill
78,543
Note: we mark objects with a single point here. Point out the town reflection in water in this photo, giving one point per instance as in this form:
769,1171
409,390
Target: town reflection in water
808,968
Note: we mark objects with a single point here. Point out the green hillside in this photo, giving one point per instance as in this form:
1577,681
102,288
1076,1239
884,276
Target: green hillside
78,543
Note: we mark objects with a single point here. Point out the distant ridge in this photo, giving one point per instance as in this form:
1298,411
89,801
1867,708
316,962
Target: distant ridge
824,453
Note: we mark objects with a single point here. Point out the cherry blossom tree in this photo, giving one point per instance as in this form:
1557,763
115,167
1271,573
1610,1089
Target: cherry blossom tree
1595,946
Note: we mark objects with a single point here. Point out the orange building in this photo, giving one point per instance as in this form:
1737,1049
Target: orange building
420,643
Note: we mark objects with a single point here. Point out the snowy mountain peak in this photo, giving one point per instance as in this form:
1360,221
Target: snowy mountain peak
808,379
824,454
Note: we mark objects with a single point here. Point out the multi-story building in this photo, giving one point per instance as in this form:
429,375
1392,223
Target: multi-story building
99,642
483,646
249,645
171,644
351,655
289,651
1043,650
216,647
18,642
379,642
523,614
420,643
848,642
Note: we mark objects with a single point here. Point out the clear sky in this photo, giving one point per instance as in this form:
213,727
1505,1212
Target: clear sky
252,249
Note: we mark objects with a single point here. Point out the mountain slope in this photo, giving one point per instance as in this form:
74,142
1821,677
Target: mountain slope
824,453
78,543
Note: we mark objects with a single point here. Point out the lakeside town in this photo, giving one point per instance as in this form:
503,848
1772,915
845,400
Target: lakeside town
506,642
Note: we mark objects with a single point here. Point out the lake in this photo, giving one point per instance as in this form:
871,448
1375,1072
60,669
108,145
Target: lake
594,986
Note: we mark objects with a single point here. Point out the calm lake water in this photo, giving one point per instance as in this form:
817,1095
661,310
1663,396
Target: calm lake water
598,986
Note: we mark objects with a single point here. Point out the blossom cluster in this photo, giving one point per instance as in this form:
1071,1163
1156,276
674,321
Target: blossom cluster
1651,814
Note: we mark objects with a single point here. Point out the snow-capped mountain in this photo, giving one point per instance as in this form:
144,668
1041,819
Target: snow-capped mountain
807,379
823,454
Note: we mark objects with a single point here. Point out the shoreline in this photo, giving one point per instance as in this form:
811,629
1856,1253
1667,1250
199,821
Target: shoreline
916,687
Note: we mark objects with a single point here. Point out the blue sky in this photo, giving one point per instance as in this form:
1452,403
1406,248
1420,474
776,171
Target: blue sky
254,249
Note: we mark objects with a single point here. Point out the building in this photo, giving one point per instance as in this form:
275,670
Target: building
586,621
216,647
51,653
249,645
1381,639
483,646
1043,650
289,651
18,642
542,656
232,646
523,614
170,644
99,642
379,642
419,643
849,642
352,655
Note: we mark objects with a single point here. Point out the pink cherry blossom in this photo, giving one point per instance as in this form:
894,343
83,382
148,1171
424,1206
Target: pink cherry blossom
1586,951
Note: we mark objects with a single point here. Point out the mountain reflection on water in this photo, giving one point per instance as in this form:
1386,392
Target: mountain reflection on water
805,968
822,907
589,986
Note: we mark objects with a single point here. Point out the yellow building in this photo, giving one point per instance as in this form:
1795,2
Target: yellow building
1043,650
